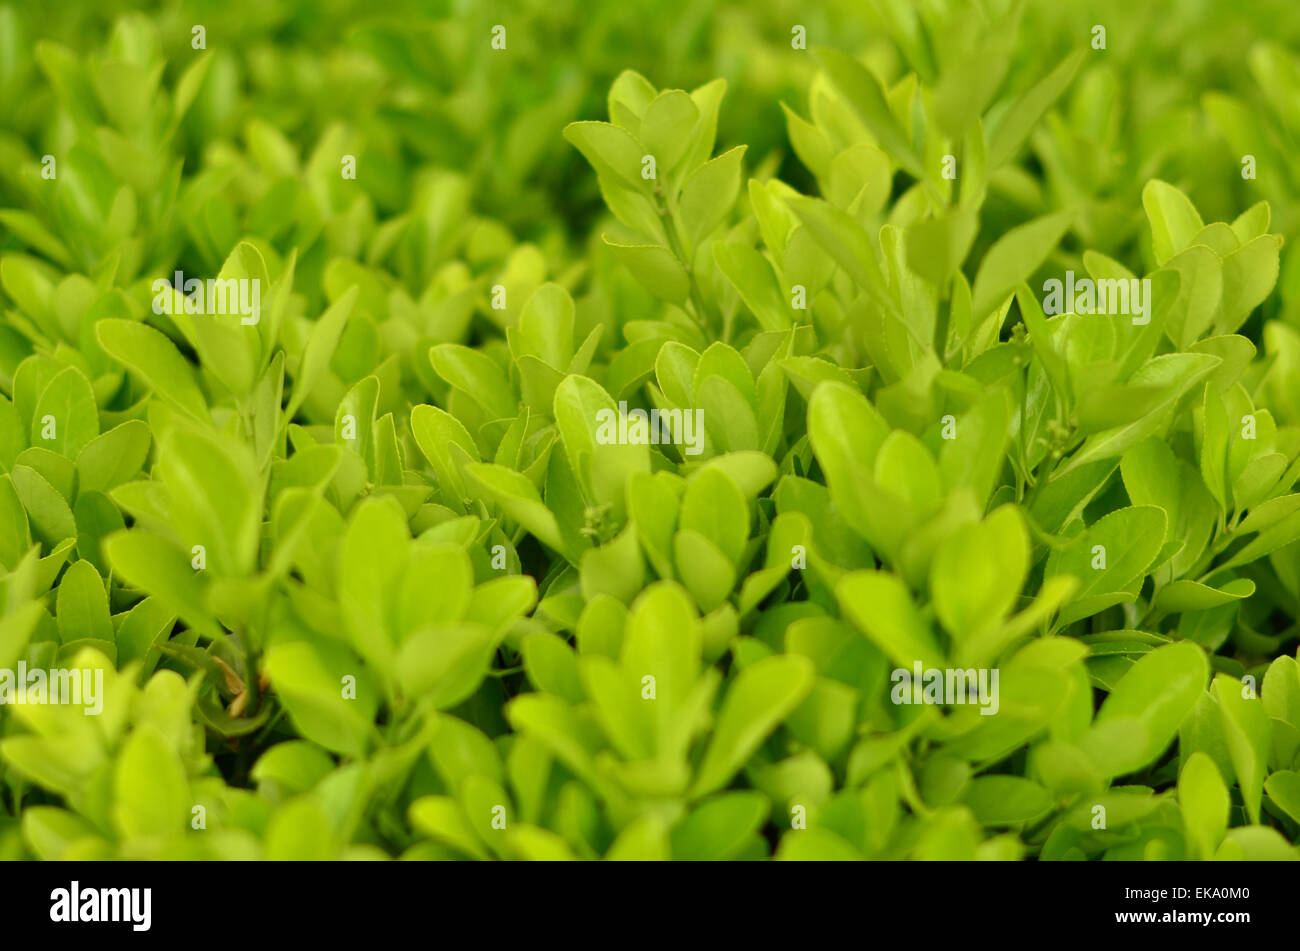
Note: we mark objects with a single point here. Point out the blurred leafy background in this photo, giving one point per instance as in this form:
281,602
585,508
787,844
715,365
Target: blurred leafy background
170,157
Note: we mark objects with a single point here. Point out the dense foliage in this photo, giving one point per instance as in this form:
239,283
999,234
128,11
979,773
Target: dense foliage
367,571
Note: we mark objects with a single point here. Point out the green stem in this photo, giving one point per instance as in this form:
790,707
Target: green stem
1024,475
263,733
251,658
700,312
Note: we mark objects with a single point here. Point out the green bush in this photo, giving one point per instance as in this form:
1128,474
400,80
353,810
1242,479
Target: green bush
882,446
